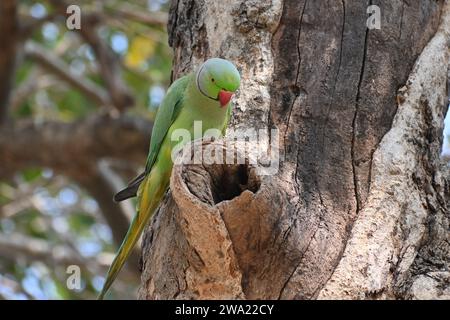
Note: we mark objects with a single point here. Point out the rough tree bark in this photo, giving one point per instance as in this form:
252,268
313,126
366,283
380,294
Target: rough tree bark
358,208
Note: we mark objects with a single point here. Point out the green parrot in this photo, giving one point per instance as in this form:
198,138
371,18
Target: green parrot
203,96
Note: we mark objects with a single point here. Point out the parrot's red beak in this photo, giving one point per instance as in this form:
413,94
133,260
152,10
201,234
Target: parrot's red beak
224,97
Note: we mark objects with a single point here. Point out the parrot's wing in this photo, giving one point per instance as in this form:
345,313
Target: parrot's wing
166,115
131,189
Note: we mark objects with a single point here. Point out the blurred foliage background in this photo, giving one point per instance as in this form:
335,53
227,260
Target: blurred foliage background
48,220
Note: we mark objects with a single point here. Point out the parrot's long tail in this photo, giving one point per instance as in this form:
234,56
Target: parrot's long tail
146,208
135,230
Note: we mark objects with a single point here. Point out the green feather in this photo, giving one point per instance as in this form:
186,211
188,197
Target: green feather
167,113
191,98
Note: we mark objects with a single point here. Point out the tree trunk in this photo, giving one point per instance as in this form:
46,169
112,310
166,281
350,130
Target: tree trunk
9,38
358,207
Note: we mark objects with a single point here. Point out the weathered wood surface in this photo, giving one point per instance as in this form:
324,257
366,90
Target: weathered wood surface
358,208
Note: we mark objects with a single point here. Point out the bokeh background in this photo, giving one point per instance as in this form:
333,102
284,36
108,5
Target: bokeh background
116,69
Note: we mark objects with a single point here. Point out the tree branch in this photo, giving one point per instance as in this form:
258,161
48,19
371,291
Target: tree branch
128,12
30,24
57,66
8,52
14,245
114,214
109,65
72,148
115,182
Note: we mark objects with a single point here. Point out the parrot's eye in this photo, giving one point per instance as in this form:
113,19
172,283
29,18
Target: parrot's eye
212,79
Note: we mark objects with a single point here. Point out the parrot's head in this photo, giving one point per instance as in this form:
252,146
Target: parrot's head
218,79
